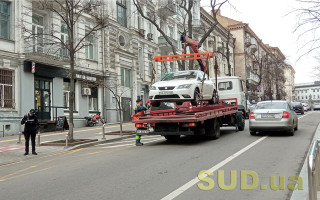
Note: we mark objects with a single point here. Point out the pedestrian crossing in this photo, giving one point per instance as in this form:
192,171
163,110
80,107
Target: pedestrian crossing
131,142
10,148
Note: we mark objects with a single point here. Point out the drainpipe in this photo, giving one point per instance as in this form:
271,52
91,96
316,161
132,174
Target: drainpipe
104,70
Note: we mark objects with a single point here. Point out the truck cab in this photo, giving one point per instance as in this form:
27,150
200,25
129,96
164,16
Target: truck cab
232,87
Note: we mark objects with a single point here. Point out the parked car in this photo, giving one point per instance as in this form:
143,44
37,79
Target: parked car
183,86
316,106
306,107
251,106
273,116
297,107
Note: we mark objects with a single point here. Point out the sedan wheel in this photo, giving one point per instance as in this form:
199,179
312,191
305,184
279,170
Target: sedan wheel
296,128
196,97
214,98
291,132
253,133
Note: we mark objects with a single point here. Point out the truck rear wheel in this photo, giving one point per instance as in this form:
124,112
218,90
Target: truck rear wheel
212,129
172,137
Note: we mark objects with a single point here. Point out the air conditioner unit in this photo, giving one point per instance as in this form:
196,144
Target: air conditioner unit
141,32
86,91
149,36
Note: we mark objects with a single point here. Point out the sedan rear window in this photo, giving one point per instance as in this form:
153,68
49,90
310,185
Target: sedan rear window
295,103
272,105
225,85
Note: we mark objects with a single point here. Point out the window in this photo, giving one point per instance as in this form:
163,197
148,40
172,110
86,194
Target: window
125,77
66,94
91,48
170,31
6,89
225,85
301,97
149,27
122,12
37,31
4,20
93,99
64,38
150,63
298,98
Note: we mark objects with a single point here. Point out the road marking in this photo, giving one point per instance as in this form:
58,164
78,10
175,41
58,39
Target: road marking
9,148
14,173
40,170
131,144
127,140
79,131
305,115
94,153
194,181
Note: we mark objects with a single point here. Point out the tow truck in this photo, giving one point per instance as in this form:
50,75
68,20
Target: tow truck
172,120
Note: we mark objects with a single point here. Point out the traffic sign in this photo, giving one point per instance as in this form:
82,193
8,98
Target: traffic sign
259,87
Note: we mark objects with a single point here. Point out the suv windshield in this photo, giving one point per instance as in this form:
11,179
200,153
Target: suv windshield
272,105
180,76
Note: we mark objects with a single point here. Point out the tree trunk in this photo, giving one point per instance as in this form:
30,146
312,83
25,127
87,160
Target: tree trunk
71,99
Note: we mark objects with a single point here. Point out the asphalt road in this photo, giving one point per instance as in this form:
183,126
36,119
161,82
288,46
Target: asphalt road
164,170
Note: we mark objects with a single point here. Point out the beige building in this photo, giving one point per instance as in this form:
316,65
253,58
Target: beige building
289,73
255,61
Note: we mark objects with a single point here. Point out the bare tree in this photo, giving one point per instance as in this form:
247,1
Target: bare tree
308,25
186,12
70,13
118,92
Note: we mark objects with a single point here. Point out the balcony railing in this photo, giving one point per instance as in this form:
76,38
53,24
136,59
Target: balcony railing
252,76
163,44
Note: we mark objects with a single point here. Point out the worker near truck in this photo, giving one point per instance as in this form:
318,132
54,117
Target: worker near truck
139,110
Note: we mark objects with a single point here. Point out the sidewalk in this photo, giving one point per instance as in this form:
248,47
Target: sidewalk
11,151
304,194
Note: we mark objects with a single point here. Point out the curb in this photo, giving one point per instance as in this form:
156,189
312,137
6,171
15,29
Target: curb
99,142
304,194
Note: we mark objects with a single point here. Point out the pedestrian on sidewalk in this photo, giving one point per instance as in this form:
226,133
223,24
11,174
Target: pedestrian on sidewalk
30,130
139,110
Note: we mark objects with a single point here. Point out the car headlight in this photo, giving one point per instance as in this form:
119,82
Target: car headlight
184,86
153,88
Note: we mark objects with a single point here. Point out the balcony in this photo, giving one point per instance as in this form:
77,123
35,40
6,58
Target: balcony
167,9
252,77
164,45
47,54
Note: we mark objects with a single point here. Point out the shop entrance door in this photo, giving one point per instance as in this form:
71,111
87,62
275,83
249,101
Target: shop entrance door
42,95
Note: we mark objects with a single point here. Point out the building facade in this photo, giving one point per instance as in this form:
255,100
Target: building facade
289,73
34,71
257,63
308,92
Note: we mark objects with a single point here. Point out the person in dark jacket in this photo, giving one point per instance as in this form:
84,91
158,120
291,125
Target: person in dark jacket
30,130
139,110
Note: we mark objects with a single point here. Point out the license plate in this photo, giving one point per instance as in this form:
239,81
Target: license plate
165,92
143,131
267,116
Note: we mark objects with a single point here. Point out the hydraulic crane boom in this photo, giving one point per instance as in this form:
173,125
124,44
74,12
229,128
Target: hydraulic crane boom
194,46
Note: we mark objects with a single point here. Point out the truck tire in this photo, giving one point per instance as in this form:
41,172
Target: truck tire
240,121
172,137
212,129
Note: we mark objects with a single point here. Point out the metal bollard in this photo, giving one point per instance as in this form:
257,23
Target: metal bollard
19,140
67,139
313,170
103,135
38,141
